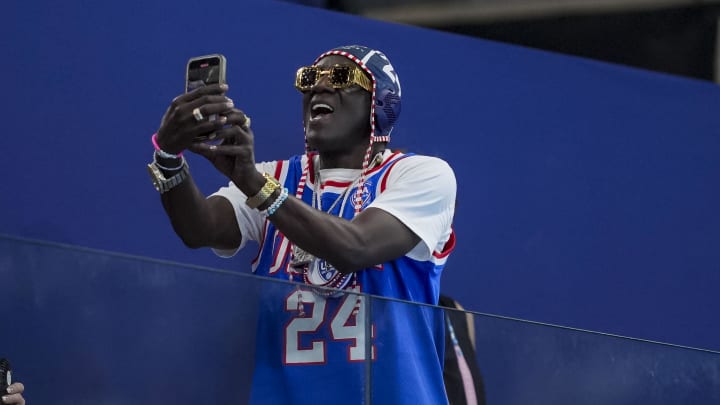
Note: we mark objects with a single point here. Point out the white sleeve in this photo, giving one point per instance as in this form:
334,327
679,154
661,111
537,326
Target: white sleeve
420,193
249,220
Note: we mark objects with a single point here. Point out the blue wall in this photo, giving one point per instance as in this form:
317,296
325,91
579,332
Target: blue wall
588,192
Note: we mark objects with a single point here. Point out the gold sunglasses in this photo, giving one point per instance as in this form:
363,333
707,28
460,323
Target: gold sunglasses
340,77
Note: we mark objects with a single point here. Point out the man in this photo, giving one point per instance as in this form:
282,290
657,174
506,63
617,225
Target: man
348,214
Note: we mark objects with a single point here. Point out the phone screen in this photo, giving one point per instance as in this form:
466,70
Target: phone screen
204,71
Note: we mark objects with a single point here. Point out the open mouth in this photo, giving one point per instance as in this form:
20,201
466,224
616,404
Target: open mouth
320,111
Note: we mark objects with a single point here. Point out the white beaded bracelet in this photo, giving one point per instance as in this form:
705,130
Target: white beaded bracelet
170,169
277,203
166,155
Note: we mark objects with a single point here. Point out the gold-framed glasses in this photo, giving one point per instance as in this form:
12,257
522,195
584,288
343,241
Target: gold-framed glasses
339,77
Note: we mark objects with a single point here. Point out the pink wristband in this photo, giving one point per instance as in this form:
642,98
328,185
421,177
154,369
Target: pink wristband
160,151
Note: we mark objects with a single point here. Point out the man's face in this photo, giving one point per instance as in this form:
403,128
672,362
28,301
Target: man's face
336,120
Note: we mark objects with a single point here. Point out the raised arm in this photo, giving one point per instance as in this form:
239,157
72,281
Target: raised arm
198,221
374,236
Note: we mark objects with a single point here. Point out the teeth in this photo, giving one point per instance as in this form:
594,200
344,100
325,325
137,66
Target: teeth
317,107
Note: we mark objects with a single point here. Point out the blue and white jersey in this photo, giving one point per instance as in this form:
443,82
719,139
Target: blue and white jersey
311,347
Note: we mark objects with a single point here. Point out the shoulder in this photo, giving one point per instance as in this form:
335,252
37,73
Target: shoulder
413,178
431,170
423,163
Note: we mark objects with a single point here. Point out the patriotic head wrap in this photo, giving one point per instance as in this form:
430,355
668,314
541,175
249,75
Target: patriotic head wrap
385,101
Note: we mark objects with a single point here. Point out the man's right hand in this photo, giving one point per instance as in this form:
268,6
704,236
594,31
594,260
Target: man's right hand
179,126
14,395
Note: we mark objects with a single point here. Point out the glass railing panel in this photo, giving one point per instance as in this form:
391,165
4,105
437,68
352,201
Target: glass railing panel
88,327
521,362
567,366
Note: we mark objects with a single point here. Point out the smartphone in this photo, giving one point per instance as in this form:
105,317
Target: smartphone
205,70
202,71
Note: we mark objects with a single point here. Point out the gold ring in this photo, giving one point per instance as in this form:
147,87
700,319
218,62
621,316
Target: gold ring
197,114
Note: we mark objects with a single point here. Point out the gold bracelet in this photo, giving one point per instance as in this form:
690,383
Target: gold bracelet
271,184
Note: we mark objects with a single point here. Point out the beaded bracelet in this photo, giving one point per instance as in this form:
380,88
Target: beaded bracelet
278,202
170,169
161,152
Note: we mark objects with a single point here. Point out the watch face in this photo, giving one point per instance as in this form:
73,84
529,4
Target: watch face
155,175
161,183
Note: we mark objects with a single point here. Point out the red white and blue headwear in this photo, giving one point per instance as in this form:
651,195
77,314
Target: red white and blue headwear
385,101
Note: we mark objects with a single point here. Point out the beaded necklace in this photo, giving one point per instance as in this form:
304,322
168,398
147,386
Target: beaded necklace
317,201
311,267
313,270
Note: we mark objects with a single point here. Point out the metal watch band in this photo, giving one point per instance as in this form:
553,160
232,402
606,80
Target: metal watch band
164,185
271,184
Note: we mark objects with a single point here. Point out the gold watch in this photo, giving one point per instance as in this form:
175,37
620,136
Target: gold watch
162,184
271,184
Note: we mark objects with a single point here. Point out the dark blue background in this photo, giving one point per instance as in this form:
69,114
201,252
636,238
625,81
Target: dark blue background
588,193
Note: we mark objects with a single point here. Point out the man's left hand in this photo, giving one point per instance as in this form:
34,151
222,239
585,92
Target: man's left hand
235,155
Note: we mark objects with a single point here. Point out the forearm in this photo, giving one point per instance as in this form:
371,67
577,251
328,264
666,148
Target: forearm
373,237
334,239
194,218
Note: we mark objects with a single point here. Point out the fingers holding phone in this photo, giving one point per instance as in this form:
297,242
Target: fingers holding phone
234,132
186,119
210,114
204,71
232,152
197,114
